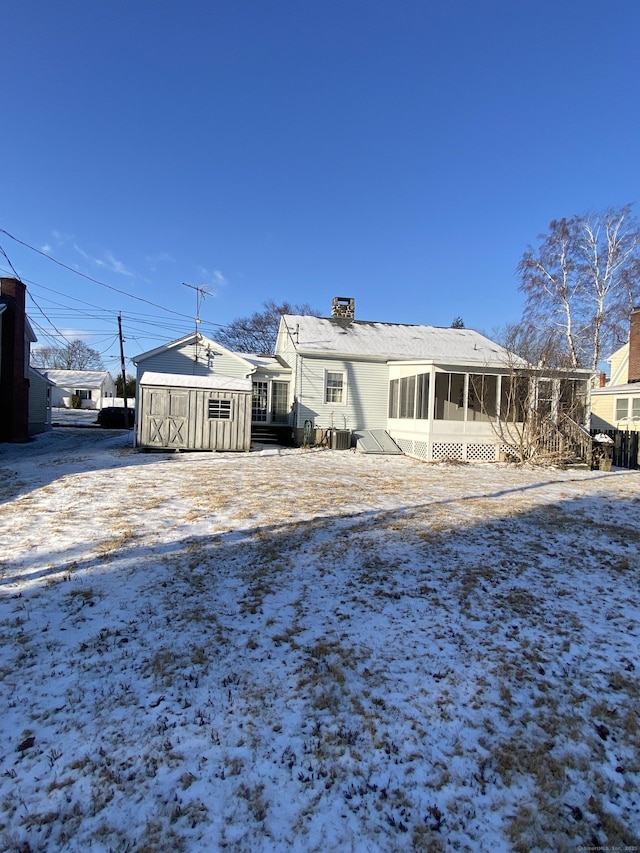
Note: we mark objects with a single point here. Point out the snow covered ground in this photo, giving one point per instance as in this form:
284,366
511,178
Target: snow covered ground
314,651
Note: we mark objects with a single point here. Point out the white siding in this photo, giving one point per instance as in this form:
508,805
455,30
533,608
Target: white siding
182,360
366,394
39,408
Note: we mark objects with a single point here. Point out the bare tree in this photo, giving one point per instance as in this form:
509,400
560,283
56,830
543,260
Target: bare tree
581,283
76,355
540,411
258,332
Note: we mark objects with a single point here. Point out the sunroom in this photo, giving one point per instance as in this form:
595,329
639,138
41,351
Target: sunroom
441,412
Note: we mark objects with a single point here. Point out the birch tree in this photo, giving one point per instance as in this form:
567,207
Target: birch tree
581,283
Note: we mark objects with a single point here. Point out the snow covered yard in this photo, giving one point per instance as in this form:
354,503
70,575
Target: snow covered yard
314,650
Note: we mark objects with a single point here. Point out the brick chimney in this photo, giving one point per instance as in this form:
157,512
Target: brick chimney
343,307
14,384
634,346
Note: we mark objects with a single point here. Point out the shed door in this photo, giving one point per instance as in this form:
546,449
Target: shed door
177,419
167,418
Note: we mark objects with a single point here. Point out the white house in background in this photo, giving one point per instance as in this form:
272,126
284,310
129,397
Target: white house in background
95,388
418,384
197,355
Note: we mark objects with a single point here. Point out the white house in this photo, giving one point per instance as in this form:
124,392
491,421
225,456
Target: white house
95,388
197,355
436,391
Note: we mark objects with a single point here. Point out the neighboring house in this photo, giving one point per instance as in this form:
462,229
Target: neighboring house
197,355
39,401
429,388
616,403
94,388
24,407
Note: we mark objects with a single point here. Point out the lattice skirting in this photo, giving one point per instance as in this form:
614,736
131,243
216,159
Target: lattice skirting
456,451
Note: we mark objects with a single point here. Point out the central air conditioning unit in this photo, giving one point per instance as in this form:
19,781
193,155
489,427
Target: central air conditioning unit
340,439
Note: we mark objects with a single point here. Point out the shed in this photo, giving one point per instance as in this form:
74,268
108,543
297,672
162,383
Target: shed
193,412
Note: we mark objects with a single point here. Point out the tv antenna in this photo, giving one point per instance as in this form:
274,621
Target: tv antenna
201,292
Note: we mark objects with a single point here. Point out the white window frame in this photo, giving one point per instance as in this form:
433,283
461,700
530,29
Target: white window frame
342,387
220,409
621,408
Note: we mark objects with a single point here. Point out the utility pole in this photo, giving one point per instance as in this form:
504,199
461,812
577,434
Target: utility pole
124,375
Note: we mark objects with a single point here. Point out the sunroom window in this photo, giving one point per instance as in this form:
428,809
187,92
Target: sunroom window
449,402
482,397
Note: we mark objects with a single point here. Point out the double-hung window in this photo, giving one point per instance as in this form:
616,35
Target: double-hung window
335,387
219,410
622,408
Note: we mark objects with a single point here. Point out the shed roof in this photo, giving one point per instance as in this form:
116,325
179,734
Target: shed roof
392,341
212,382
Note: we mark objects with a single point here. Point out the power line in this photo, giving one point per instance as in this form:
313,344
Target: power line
10,264
47,318
88,277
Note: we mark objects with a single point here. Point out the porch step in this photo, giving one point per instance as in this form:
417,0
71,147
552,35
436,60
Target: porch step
264,435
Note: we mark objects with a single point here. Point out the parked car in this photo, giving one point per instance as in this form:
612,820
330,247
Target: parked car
112,417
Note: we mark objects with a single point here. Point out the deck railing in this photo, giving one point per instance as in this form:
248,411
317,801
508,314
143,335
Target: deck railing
565,438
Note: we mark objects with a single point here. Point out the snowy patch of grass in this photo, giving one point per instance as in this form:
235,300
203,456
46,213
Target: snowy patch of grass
383,655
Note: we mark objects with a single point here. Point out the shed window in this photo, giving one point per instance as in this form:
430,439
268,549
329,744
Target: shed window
334,387
220,410
83,393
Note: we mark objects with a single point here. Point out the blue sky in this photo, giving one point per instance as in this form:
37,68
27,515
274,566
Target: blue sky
401,152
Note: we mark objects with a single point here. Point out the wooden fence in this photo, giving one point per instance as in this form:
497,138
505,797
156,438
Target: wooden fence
625,447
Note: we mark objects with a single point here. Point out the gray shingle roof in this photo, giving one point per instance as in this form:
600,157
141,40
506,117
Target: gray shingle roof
393,341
